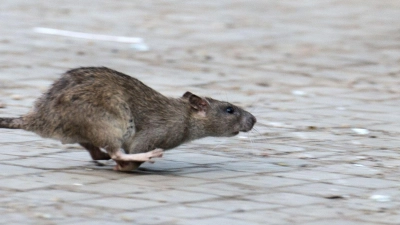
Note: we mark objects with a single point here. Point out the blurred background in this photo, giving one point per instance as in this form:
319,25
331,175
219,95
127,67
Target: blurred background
322,78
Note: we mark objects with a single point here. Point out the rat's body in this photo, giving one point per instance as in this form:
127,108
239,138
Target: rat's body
101,108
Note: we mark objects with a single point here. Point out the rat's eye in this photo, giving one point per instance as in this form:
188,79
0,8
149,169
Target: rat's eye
229,110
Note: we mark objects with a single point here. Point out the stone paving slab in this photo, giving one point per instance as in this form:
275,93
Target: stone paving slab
310,71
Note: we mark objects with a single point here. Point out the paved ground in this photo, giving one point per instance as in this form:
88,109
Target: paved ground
322,77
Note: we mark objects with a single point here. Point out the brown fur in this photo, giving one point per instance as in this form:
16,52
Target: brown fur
102,108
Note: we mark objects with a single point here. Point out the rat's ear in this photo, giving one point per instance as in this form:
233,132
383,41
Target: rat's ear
196,102
187,95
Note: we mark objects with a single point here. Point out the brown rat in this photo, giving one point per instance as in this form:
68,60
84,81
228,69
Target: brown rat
99,107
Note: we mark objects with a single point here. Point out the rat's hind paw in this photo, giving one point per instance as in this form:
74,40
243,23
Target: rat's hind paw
156,153
124,159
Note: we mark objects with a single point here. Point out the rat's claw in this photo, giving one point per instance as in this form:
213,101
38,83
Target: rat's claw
156,153
117,168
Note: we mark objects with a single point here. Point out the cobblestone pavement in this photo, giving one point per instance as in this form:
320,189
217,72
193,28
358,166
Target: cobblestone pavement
322,77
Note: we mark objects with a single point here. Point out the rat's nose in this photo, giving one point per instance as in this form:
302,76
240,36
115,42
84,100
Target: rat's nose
253,120
249,122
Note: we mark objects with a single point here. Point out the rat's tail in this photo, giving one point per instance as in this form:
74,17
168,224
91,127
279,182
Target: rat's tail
11,123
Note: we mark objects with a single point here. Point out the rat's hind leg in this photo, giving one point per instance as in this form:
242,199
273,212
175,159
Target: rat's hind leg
95,152
117,155
126,162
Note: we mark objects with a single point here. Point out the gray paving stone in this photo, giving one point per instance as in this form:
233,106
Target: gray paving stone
49,163
269,216
369,205
174,196
66,212
325,190
134,217
201,158
168,166
19,137
41,180
182,211
387,218
9,170
120,203
257,167
46,197
312,175
265,181
350,169
16,218
336,221
23,183
215,174
288,199
223,189
321,211
104,170
7,157
108,188
219,220
85,221
233,205
366,182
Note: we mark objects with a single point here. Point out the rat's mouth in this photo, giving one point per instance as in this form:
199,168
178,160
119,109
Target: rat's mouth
245,130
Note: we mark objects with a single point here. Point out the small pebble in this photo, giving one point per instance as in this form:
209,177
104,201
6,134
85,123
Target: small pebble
141,47
16,97
380,198
299,93
358,165
43,215
242,137
306,156
360,131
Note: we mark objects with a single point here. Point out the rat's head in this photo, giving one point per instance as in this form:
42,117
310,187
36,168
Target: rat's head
217,118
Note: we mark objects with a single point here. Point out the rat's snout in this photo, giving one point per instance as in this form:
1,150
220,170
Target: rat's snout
249,121
253,120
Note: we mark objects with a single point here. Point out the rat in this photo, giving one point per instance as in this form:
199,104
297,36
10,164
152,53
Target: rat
101,108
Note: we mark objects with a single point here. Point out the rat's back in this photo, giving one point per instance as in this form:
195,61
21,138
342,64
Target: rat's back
84,104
